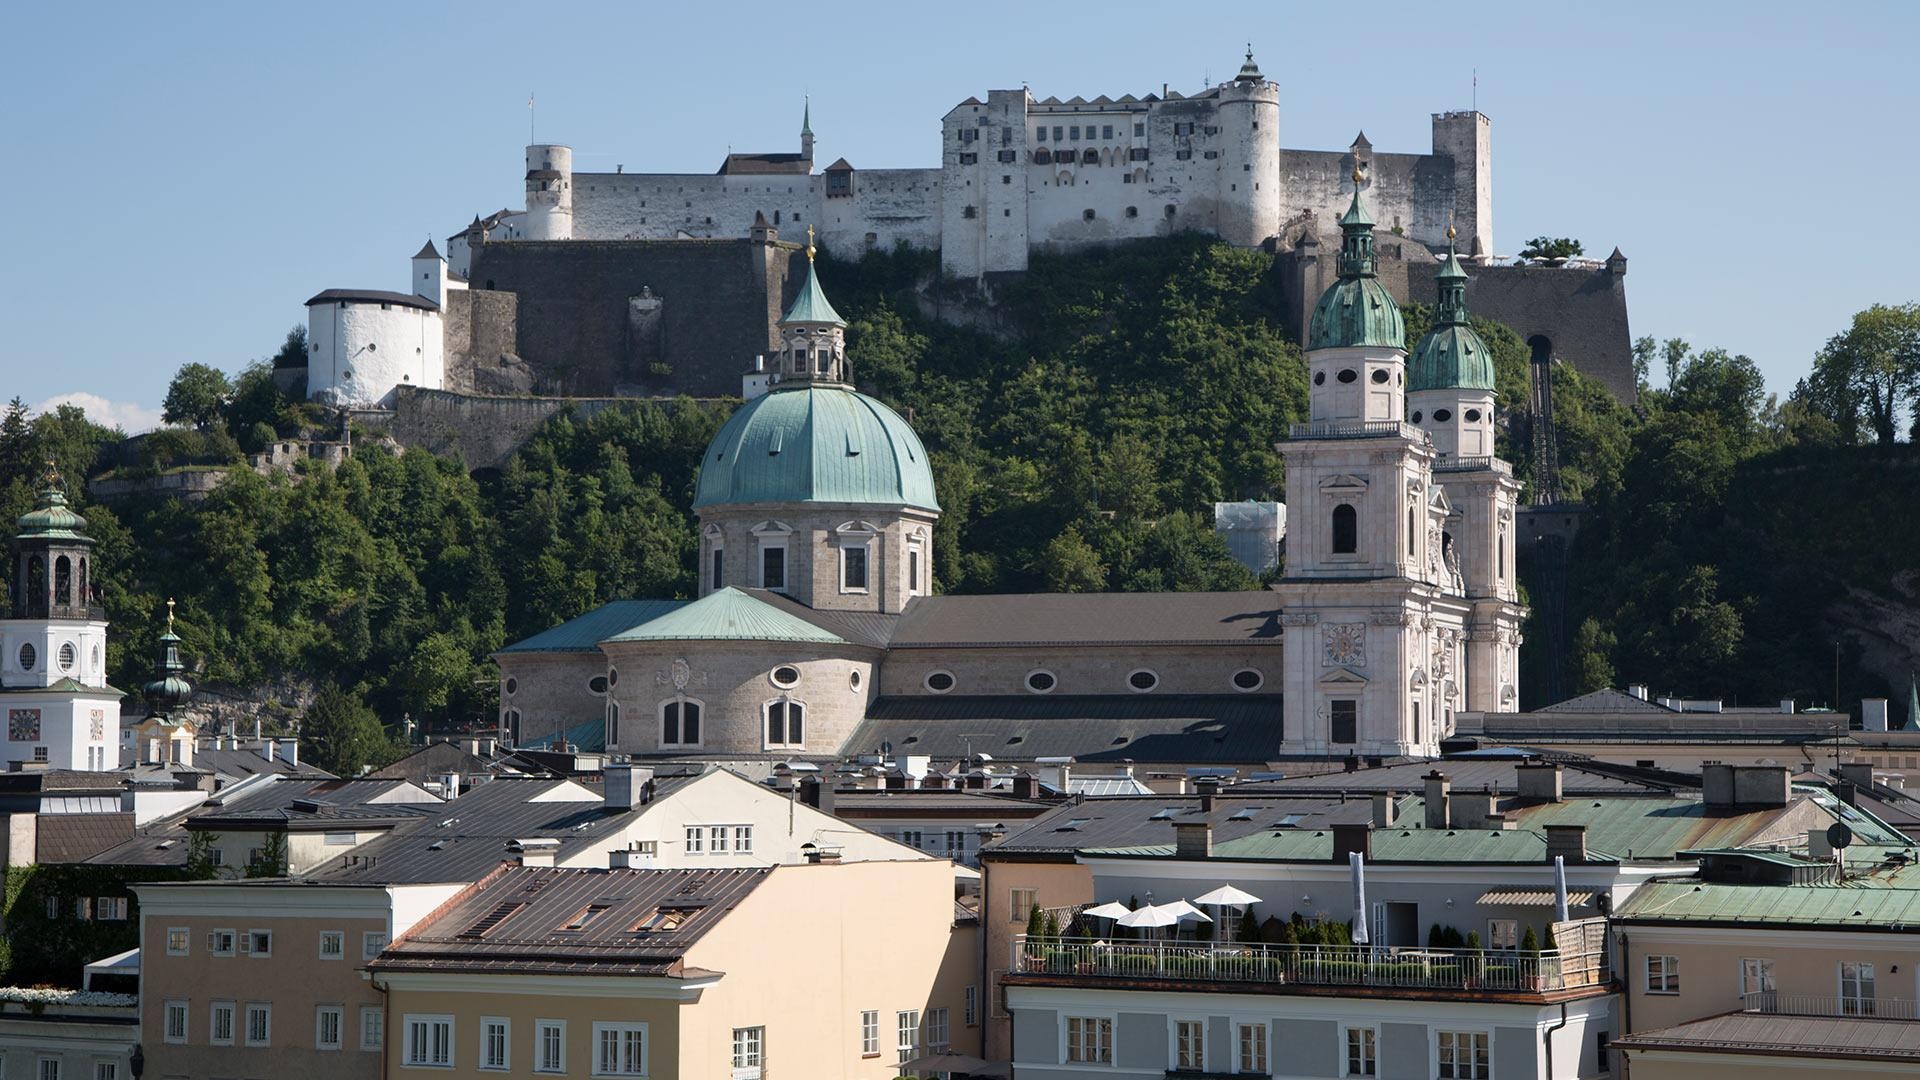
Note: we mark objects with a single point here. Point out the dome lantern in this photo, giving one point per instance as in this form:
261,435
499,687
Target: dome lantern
1450,355
1356,310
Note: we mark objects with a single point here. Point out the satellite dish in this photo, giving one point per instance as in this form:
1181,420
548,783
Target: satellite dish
1839,835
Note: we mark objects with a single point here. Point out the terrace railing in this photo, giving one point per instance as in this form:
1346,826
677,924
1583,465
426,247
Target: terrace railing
1772,1003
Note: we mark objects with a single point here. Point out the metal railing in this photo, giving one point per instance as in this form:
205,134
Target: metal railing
1304,965
1777,1004
1472,463
1353,429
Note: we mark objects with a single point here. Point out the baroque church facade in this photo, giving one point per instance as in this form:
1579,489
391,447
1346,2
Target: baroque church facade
818,634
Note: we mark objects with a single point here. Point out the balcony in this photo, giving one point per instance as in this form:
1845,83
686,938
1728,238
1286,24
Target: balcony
1354,429
1771,1003
1473,463
1261,968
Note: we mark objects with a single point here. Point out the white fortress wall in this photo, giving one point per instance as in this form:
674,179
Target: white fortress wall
359,351
661,206
887,207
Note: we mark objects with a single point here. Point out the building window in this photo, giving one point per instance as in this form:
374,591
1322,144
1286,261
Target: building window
939,681
106,1070
259,1024
696,840
1503,933
430,1041
1189,1045
220,942
939,1032
258,943
1343,715
176,1023
1247,680
1020,904
870,1032
907,1034
773,564
1251,1048
178,938
786,723
969,212
1346,530
1462,1055
749,1052
719,562
1362,1052
550,1046
913,568
956,845
972,1006
853,568
1089,1040
680,722
619,1049
373,1027
1663,974
494,1046
1040,682
49,1069
1856,989
1143,680
371,943
220,1023
327,1021
1756,976
743,839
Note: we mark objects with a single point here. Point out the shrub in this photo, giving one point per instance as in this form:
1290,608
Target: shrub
1530,942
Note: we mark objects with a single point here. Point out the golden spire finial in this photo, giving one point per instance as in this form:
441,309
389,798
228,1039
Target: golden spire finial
809,243
1450,232
51,477
169,614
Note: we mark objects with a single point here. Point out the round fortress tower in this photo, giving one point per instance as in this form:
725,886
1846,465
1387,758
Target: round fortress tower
1250,161
549,192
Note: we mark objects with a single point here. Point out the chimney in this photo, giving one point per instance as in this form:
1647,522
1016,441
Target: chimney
266,749
1023,785
624,786
1761,787
1386,810
1817,844
817,792
1873,714
629,858
538,851
1787,705
1568,842
1540,781
1471,809
1857,773
1193,839
1438,788
1716,785
1638,690
1351,764
290,749
1208,787
1351,837
1847,793
819,855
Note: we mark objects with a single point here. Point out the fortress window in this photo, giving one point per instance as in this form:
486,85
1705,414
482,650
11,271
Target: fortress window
1009,156
1347,375
1212,130
1040,133
1211,155
1006,136
1087,214
1170,210
1005,179
1473,416
1040,682
1441,416
969,159
970,212
1247,679
1074,132
1106,131
1380,375
1138,153
1346,530
1183,155
1056,133
1183,129
1133,211
1090,157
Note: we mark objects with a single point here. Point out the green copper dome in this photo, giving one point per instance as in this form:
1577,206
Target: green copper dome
1450,356
50,519
821,443
1357,309
811,305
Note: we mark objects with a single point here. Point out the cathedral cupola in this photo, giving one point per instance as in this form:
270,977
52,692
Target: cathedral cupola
169,689
813,336
53,559
1450,378
1356,342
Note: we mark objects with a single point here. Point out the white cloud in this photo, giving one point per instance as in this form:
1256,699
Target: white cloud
130,417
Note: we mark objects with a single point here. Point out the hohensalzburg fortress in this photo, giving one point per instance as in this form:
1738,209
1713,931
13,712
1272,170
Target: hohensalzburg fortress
1018,175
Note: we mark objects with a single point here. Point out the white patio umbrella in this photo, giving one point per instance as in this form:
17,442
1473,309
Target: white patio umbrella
1148,918
1358,863
1112,909
1226,896
1186,912
1560,888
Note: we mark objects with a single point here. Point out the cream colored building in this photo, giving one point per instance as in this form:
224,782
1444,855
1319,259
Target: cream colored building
820,970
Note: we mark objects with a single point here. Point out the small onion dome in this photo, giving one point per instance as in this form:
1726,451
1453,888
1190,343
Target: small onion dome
811,305
815,443
1451,355
169,691
1249,71
1357,309
50,518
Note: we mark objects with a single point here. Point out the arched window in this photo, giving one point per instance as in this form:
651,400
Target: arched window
63,580
1346,530
1412,536
680,722
613,724
786,723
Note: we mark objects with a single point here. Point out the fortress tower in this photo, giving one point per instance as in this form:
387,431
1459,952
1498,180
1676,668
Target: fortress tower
549,192
1249,182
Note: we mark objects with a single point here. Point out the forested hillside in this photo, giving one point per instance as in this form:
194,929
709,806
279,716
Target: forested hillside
1079,445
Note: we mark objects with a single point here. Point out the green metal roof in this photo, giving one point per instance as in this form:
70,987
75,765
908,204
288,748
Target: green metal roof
584,633
50,519
1357,309
728,615
66,686
811,305
816,444
1387,846
1450,355
1865,903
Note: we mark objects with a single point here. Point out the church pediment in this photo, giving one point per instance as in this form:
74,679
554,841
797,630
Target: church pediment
1344,482
1342,677
1439,501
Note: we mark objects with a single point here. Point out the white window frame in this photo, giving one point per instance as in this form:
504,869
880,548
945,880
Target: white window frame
102,1070
749,1052
231,946
927,681
168,1012
1865,977
1512,934
339,939
906,1034
373,1027
427,1022
1433,1040
1265,1064
1017,911
768,536
917,564
320,1014
1345,1058
870,1033
1068,1047
184,935
972,1013
231,1010
486,1061
786,724
255,938
1173,1043
1143,671
265,1009
742,839
601,1029
1668,973
1026,681
938,1026
680,724
41,1072
856,537
540,1029
716,547
1756,975
372,943
696,837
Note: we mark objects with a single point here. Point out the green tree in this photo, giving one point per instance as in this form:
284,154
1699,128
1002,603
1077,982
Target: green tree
200,864
1530,942
342,735
270,859
1070,564
1868,378
1549,247
197,396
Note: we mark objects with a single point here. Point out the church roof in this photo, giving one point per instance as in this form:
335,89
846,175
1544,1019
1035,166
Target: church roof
764,164
728,615
811,304
1051,619
428,251
1188,728
1451,355
51,518
584,633
1356,310
816,444
1606,700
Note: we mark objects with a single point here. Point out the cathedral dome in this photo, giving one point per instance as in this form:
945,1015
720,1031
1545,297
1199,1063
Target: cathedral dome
1356,310
821,443
1450,356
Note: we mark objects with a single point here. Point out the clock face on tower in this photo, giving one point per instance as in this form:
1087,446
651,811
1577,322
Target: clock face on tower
1343,645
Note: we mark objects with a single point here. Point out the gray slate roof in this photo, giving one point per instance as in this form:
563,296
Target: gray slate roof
1606,700
1788,1036
1184,728
372,296
1466,775
1208,618
1134,821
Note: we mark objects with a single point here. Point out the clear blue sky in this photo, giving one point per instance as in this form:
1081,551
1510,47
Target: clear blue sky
180,177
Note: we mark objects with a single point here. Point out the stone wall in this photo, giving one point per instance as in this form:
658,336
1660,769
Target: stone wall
483,349
482,431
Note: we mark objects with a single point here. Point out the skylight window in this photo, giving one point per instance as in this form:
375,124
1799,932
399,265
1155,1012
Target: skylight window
1291,821
586,916
492,919
1073,825
1165,814
1244,814
662,920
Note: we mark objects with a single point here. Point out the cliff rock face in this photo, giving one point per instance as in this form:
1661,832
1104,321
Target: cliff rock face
1888,630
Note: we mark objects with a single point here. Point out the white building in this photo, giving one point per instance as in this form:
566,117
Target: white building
363,343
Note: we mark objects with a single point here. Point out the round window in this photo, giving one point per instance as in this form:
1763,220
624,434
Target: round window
613,676
1040,681
67,655
1441,416
1380,375
1247,679
597,684
1416,416
853,679
1143,680
27,657
785,675
1473,416
513,684
940,681
1319,378
1347,375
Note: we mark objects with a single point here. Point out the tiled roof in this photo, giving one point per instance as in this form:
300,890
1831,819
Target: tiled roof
72,838
762,164
858,627
1144,823
1773,1034
728,615
1183,728
585,633
1004,621
535,920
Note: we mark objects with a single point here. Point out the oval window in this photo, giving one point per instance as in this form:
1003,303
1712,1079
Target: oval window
1040,681
1380,375
853,679
1347,375
67,655
1416,416
597,684
1319,378
786,675
940,681
1247,679
513,684
613,676
1473,416
1441,416
27,657
1143,680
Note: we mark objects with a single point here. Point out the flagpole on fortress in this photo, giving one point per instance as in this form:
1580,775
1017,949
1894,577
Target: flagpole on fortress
530,139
